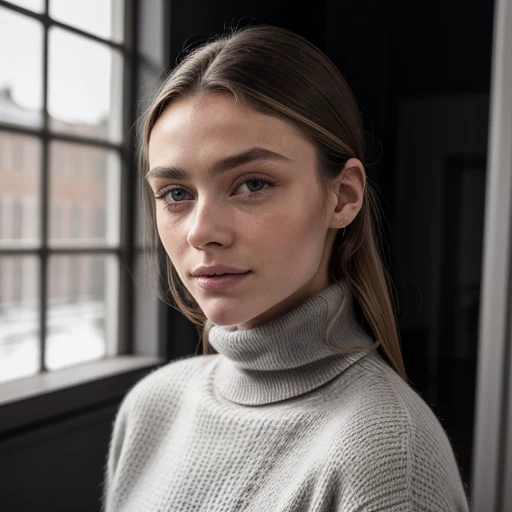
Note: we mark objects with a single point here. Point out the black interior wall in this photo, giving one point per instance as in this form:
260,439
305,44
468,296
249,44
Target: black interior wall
441,47
203,18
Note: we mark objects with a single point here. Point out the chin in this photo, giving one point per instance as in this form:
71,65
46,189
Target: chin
226,314
219,314
225,320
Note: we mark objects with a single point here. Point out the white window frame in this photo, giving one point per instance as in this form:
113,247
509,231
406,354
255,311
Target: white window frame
492,448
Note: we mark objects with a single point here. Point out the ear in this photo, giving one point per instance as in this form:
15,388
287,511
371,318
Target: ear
348,193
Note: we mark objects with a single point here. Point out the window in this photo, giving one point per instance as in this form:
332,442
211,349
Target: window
115,311
62,89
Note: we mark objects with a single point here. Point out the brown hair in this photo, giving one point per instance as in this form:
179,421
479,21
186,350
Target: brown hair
279,73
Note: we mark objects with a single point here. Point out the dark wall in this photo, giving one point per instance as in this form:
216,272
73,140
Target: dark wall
203,18
441,47
56,467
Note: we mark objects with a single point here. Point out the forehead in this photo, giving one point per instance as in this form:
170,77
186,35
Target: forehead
212,126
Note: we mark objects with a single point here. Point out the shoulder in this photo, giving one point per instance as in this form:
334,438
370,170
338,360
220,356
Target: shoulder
397,409
393,443
164,385
146,412
155,400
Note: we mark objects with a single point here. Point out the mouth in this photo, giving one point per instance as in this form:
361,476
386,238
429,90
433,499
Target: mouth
224,274
220,282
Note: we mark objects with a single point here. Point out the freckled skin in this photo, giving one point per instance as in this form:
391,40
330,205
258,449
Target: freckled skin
284,236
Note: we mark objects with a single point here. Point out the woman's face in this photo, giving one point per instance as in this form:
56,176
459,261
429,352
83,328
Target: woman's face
236,187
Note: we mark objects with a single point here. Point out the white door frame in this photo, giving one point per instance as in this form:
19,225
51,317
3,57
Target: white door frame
491,479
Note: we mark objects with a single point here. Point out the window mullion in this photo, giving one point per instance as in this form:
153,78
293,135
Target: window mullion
44,205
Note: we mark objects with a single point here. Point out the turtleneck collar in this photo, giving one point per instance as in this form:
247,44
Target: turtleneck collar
289,355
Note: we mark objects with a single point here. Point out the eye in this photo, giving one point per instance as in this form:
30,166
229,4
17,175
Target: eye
177,194
255,184
172,196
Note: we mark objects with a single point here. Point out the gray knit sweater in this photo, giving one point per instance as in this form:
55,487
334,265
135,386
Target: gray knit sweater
278,422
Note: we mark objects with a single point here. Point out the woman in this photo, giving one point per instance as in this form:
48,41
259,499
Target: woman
253,156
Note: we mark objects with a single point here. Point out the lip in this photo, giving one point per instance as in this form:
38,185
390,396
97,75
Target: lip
219,283
217,269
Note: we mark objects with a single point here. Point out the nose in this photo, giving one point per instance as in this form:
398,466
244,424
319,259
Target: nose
210,225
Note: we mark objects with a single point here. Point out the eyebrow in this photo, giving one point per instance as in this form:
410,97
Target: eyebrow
222,165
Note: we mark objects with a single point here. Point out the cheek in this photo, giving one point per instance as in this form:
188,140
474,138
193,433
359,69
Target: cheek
290,240
171,237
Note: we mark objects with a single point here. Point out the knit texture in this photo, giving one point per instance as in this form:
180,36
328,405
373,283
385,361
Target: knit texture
278,422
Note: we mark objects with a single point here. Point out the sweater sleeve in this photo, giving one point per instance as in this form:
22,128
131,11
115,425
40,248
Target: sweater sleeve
424,485
117,438
401,460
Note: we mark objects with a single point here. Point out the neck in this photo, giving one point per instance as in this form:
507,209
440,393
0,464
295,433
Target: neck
291,354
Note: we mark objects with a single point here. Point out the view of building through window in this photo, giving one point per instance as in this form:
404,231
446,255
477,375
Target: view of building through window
82,185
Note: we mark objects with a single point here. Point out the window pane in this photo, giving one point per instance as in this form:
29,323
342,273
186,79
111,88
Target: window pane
20,158
21,80
84,195
33,5
84,86
102,18
81,309
152,23
19,317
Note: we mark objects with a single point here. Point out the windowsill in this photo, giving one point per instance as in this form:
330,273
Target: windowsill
36,399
